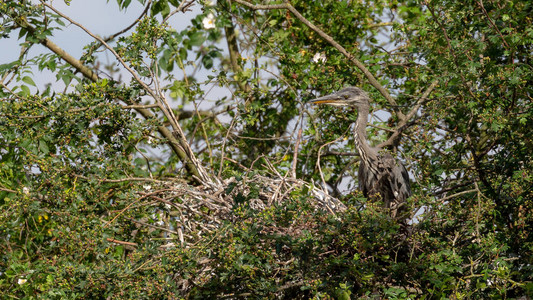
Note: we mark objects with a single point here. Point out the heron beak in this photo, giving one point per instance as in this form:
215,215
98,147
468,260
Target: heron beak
332,99
324,101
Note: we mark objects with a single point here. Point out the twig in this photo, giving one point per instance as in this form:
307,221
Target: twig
223,148
295,155
325,189
121,180
113,36
492,23
182,7
123,210
7,190
140,106
423,98
96,37
153,226
402,125
457,194
122,242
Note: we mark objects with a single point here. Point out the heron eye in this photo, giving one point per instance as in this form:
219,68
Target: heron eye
345,96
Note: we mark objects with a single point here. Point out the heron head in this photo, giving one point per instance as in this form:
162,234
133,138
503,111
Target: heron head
350,96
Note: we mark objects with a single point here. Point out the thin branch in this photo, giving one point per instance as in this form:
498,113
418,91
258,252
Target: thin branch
295,155
450,48
261,138
337,153
234,54
122,242
422,99
140,106
121,180
118,57
457,194
492,23
383,24
113,36
325,189
183,7
10,91
71,60
403,124
3,189
153,226
223,148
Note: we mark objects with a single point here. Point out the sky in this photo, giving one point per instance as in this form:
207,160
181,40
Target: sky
99,16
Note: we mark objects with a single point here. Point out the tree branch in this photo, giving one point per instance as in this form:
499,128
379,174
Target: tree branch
113,36
403,124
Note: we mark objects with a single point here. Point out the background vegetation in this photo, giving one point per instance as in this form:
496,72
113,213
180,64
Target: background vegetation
129,184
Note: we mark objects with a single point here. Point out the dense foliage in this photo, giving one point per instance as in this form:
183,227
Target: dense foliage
131,188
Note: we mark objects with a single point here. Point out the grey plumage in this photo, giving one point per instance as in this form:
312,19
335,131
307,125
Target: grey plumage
379,173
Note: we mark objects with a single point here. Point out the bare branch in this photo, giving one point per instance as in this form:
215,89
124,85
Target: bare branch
140,106
122,242
318,162
113,36
295,155
457,194
183,7
403,124
422,99
153,226
3,189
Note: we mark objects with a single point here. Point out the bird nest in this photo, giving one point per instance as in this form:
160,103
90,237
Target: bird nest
189,212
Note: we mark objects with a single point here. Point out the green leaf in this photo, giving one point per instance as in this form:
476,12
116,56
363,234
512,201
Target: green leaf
197,38
25,91
28,80
52,65
208,62
162,7
22,33
9,66
43,147
60,22
177,90
126,3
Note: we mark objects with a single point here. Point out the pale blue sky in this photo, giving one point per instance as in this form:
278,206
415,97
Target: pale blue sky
99,16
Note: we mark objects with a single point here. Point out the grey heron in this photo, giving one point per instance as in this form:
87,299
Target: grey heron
380,175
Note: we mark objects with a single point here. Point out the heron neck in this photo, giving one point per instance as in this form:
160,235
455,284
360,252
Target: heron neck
360,134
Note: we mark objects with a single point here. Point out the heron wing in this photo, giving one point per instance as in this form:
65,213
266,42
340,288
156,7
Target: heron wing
402,184
384,176
366,179
397,178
